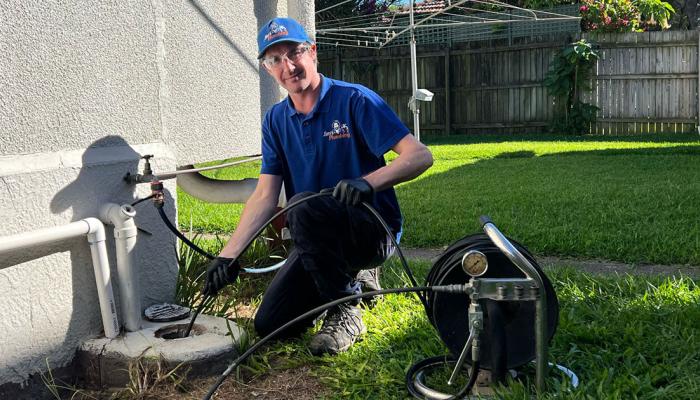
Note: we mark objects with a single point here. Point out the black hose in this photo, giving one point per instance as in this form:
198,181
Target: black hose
404,263
141,200
289,206
181,236
432,362
307,314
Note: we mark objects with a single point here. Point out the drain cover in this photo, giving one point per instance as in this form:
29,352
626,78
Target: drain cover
166,312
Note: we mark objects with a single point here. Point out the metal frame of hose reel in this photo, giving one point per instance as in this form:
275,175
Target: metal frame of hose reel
530,288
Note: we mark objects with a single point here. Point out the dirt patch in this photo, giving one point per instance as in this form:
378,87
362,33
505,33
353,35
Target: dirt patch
590,266
290,384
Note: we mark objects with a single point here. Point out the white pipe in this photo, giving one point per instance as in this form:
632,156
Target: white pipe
95,232
220,191
122,217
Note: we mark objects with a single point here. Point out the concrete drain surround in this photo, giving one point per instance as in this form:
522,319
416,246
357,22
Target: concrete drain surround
207,351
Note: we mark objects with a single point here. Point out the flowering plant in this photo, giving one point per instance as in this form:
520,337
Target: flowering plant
609,16
654,14
625,15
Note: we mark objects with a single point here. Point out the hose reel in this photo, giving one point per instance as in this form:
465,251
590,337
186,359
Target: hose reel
506,318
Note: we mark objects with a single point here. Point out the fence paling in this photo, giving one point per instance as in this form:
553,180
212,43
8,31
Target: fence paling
643,83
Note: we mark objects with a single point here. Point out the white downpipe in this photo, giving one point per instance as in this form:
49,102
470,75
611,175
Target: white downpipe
122,217
95,231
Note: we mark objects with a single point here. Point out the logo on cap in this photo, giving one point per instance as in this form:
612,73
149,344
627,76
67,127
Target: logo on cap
276,30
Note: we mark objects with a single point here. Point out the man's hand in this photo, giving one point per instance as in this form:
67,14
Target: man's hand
220,272
353,191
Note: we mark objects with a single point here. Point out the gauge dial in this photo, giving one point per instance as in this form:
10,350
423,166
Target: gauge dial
474,263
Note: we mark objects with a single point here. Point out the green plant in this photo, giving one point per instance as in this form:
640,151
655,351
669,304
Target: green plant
654,14
268,249
609,16
150,378
625,15
569,74
57,387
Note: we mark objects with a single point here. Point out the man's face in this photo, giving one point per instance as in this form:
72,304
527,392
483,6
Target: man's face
295,65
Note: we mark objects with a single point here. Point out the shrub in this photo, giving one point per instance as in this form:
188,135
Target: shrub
625,15
609,16
569,73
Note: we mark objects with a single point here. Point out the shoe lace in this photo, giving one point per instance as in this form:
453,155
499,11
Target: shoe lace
341,319
367,276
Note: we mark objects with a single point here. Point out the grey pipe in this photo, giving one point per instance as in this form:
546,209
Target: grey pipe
219,191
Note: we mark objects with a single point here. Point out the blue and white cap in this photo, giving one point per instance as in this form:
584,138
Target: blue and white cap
280,30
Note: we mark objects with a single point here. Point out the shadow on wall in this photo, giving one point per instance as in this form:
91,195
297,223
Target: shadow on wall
264,10
97,182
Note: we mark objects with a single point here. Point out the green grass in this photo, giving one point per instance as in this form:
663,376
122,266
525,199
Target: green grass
631,199
624,336
210,217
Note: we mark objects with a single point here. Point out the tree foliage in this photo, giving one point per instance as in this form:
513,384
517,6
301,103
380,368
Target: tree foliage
352,8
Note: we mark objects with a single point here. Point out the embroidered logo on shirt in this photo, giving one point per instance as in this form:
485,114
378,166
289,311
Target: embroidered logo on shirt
276,30
338,131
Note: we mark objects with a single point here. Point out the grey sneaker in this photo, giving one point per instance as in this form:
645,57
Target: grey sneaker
341,328
369,281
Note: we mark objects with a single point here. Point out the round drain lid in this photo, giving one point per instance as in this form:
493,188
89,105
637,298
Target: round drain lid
166,312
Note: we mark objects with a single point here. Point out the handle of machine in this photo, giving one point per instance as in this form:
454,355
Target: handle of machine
513,254
519,260
485,219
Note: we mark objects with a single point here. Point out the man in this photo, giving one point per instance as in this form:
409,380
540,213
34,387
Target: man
325,134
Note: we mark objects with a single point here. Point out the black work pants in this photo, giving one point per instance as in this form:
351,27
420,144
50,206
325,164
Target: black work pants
332,242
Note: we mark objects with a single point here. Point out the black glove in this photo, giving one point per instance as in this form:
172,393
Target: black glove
220,272
353,191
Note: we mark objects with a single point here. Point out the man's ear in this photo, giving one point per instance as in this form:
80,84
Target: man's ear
314,54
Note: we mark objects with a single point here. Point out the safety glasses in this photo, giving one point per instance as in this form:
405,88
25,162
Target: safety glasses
276,60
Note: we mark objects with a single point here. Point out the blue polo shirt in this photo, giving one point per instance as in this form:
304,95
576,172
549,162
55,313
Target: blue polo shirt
344,137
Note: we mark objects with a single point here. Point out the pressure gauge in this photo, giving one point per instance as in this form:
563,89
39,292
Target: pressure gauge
474,263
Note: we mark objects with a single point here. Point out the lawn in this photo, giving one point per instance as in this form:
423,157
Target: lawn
630,199
649,352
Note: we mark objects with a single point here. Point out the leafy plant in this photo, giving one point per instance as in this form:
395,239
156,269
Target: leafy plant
654,13
351,8
609,16
267,250
569,74
625,15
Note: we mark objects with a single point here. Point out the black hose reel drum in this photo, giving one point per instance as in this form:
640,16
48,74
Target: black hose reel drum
508,336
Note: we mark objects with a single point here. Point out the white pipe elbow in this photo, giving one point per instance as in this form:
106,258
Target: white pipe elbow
96,230
122,217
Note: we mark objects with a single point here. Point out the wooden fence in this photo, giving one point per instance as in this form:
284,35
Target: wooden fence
643,83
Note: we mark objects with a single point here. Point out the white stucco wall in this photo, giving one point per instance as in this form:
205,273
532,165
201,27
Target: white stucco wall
85,89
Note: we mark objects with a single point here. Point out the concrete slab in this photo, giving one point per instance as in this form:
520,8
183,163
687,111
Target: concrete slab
212,344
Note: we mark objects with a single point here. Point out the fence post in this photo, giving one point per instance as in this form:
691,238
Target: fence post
338,66
698,91
448,102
